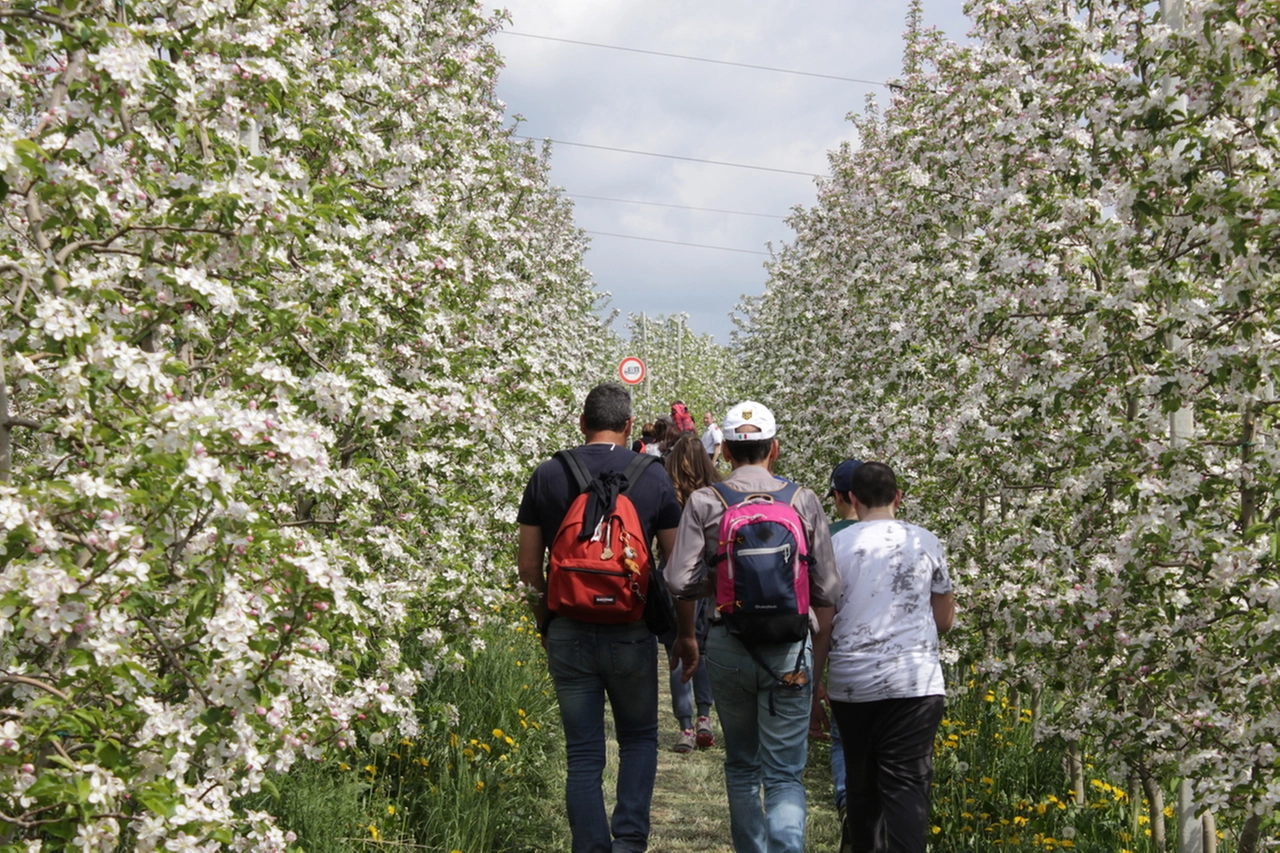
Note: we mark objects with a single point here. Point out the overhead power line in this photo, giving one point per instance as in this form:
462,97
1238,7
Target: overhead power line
671,156
675,242
679,206
696,58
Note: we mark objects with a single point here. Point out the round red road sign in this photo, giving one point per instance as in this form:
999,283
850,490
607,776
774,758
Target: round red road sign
631,370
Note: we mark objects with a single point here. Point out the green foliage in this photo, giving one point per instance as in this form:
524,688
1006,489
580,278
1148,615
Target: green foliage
478,777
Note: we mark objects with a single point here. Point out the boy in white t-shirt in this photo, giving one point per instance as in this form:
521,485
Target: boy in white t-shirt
885,679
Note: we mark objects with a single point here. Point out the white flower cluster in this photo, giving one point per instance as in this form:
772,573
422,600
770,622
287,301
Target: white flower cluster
1044,288
277,393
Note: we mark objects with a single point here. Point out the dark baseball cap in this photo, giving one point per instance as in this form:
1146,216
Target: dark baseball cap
842,476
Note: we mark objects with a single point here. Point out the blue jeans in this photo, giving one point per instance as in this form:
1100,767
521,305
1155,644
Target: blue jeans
761,750
837,763
589,662
685,693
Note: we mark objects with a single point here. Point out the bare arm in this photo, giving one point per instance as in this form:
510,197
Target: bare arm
822,643
684,651
944,610
529,555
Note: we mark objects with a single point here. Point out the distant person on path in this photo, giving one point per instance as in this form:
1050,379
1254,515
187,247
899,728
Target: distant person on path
646,438
885,681
681,418
840,493
664,429
763,689
590,660
712,437
690,469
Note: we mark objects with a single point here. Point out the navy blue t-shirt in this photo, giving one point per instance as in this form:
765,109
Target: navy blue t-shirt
551,490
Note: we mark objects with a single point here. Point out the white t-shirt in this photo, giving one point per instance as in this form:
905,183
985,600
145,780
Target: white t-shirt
884,642
711,438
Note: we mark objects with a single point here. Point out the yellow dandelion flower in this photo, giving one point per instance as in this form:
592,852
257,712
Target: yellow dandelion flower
937,829
453,739
497,732
479,786
404,741
391,809
509,739
371,770
342,765
520,711
374,834
486,747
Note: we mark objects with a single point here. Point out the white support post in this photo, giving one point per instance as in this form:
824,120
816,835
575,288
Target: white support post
1190,827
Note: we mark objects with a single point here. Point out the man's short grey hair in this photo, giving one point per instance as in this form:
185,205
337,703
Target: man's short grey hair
607,407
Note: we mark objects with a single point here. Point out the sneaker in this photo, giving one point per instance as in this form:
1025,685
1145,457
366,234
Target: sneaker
705,737
846,843
685,742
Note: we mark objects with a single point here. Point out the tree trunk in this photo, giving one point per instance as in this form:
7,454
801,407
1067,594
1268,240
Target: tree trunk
1155,809
1210,829
1250,834
1075,761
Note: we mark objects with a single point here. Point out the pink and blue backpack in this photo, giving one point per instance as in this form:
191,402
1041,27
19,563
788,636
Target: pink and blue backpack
762,576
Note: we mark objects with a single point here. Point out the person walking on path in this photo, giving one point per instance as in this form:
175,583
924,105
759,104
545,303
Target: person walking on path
690,469
885,681
712,437
765,724
590,661
820,725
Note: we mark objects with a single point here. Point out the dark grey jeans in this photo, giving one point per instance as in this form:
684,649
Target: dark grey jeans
888,753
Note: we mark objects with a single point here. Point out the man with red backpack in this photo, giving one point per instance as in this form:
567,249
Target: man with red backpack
594,511
760,546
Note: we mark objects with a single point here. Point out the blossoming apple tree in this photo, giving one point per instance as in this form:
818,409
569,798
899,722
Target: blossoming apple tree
286,317
1044,287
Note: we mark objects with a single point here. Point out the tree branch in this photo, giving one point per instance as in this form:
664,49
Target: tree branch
34,682
173,659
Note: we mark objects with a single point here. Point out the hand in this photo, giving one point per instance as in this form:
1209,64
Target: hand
819,725
685,651
820,693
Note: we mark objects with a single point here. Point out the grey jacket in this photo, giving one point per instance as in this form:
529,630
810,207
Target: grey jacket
687,572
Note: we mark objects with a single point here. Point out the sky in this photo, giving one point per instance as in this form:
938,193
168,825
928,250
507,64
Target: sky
575,93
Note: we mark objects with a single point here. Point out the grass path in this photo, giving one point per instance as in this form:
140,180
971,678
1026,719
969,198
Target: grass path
690,812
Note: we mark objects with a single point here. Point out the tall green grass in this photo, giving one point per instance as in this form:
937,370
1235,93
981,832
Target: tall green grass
486,774
995,787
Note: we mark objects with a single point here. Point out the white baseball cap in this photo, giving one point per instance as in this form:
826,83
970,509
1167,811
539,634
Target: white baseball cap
749,413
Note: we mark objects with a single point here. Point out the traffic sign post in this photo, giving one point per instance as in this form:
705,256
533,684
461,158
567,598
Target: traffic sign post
631,370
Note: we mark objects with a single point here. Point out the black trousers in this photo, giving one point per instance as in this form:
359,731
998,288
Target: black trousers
888,754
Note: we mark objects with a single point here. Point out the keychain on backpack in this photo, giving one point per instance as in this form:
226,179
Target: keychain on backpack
607,553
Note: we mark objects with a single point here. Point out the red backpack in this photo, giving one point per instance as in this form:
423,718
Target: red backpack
680,414
600,565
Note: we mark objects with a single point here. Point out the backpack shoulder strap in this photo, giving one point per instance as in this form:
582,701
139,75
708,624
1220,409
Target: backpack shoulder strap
787,494
728,495
576,468
635,469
